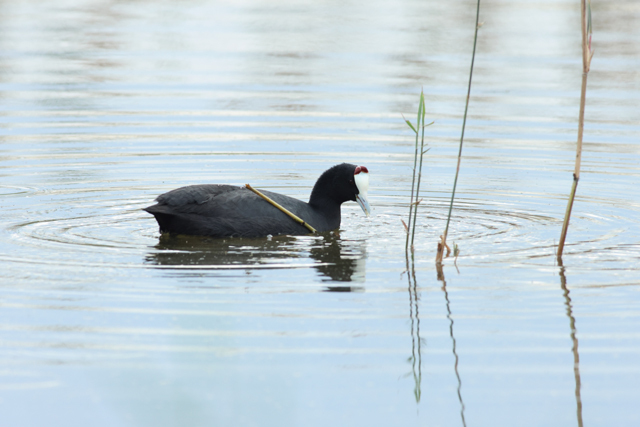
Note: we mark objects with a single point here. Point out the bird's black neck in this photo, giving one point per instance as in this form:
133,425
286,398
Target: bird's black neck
323,192
323,200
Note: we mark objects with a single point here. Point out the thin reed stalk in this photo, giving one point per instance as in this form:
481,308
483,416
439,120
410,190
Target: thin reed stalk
415,162
417,173
443,239
587,54
422,151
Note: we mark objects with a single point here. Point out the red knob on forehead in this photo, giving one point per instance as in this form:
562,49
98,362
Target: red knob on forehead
361,169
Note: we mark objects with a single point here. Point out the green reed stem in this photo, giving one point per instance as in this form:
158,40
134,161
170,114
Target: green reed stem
415,162
415,184
420,128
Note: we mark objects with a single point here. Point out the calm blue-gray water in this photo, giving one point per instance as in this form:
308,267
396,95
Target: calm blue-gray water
106,104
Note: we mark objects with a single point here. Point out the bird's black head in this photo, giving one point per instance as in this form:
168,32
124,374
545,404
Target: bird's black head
342,183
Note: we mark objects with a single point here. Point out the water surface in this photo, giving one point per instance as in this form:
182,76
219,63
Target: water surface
105,105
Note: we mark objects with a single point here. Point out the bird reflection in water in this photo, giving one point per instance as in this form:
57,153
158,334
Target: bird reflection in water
340,261
335,259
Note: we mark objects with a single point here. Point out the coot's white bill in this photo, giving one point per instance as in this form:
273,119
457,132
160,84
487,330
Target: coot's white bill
361,177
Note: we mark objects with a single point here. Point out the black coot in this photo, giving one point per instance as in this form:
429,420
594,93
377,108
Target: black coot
230,211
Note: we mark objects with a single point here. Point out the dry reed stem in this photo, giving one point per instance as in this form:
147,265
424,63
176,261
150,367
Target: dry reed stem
283,209
587,54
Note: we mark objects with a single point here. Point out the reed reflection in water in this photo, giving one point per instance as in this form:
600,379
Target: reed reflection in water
441,278
574,340
416,340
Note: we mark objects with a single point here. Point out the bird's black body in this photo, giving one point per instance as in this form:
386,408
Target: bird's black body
230,211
